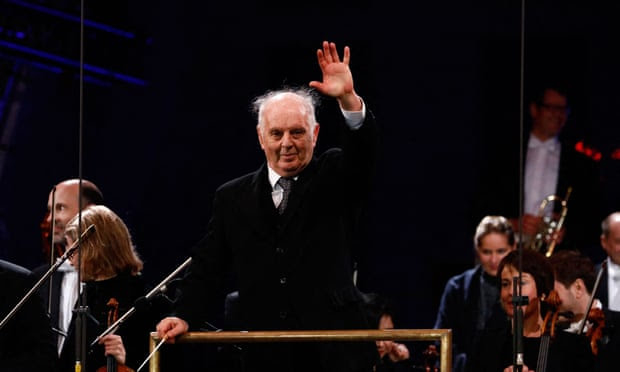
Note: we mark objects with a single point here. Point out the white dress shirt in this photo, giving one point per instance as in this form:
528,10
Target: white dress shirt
68,297
613,285
541,172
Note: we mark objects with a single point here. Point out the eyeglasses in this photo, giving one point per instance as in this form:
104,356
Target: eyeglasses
555,108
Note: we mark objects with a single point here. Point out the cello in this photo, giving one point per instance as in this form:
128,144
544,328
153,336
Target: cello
547,333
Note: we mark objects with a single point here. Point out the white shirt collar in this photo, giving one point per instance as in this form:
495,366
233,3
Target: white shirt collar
274,177
65,266
552,144
613,269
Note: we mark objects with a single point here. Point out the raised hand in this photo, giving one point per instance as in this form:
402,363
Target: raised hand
337,78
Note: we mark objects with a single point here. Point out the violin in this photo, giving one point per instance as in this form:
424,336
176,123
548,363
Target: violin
595,316
595,332
111,364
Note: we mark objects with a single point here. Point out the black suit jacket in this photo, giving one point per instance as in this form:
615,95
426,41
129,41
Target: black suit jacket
498,193
26,341
459,309
43,291
292,271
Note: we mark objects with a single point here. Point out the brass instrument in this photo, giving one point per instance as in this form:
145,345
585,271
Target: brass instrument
550,228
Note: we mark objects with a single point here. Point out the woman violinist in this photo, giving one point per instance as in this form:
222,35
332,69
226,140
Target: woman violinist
494,351
110,269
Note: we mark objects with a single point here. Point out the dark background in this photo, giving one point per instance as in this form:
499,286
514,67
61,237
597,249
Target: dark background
167,120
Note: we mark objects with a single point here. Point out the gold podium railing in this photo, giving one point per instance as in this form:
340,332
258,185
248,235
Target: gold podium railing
442,335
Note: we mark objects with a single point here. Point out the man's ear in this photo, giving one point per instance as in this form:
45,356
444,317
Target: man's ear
579,288
315,134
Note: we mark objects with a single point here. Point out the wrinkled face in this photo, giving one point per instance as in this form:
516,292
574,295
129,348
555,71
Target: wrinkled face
611,243
286,137
384,347
493,247
528,288
549,117
67,206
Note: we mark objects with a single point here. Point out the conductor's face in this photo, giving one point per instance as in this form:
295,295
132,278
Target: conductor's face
286,136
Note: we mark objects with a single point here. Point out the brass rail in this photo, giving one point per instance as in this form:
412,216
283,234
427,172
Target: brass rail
442,335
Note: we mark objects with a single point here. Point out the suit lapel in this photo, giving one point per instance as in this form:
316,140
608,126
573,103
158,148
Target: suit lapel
563,173
56,288
300,188
256,203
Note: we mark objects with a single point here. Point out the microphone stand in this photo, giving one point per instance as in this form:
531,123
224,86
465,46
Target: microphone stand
517,328
81,310
161,287
49,272
517,299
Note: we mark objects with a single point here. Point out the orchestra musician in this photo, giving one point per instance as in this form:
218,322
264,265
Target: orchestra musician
111,273
470,301
574,281
494,348
63,204
27,343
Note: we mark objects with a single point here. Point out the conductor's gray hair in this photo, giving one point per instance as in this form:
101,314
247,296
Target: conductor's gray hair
308,98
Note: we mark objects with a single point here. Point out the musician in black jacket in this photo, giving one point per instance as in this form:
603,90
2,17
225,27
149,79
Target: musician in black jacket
111,272
494,350
26,340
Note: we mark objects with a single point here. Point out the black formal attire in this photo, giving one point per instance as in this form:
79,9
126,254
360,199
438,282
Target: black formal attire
126,289
26,341
466,309
293,271
499,193
493,352
608,357
54,308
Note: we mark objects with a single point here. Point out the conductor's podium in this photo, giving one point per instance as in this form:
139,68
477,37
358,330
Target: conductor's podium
442,335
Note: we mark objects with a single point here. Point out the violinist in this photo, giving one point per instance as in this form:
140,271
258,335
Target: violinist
110,269
574,280
494,349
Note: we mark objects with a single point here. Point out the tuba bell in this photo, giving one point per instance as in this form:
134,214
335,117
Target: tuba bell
547,236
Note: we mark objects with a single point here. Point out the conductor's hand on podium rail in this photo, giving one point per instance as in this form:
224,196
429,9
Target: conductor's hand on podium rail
171,327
